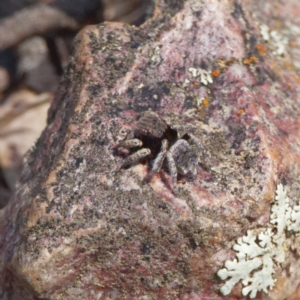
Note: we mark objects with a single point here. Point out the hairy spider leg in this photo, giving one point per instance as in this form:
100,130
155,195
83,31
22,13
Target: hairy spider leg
131,143
136,157
160,158
172,167
185,158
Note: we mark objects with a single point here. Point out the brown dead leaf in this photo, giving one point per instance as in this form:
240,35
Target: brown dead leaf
22,118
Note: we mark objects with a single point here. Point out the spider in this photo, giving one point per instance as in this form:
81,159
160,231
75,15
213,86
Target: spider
155,137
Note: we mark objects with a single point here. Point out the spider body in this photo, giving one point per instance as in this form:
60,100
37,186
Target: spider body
161,142
150,125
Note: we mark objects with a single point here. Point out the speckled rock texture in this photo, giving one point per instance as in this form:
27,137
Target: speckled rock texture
81,227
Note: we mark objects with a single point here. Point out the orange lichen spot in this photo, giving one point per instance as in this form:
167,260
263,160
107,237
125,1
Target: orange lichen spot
216,73
250,60
240,111
205,102
246,61
262,50
196,83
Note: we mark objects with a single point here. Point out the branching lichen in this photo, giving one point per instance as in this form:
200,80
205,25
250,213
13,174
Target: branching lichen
205,76
257,254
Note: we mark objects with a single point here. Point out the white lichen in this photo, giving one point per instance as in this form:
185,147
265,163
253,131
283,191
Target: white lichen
257,253
205,76
276,41
186,83
264,31
155,55
199,101
279,43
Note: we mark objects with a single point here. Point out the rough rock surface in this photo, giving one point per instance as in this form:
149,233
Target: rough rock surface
82,228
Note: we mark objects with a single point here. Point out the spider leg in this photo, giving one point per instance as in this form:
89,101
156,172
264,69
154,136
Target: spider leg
184,156
172,166
131,143
135,157
159,160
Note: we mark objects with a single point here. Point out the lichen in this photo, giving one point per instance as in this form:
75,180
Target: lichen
205,76
257,253
276,40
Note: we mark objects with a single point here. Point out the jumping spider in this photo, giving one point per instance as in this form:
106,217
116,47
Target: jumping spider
162,142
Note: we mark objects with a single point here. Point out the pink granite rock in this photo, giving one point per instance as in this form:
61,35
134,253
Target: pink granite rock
82,228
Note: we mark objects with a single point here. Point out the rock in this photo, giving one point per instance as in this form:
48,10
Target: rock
224,77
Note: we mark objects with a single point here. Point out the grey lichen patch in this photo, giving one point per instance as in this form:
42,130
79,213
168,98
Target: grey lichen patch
257,253
114,48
